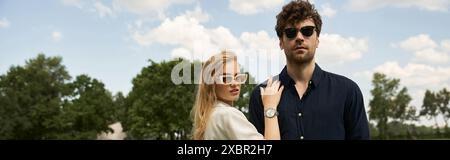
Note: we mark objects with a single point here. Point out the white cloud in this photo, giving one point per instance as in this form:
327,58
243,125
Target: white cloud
446,45
418,42
426,49
248,7
56,36
195,41
139,23
182,53
328,11
147,7
430,5
416,75
94,6
259,40
431,55
335,49
76,3
103,10
170,32
4,23
198,14
262,46
193,37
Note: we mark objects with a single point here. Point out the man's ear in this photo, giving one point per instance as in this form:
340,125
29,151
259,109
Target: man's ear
281,43
318,42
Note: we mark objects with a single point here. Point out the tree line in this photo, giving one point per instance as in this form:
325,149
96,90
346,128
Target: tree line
393,117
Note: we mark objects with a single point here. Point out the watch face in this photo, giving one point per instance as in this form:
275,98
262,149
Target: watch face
271,112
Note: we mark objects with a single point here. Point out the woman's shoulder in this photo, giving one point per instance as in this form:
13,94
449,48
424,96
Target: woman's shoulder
228,122
221,109
221,117
223,113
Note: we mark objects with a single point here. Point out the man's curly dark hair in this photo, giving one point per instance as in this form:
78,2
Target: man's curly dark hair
297,11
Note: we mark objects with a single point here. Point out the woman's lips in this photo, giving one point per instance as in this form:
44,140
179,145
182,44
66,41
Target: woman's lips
234,92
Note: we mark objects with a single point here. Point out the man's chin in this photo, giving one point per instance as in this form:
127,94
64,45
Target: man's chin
302,58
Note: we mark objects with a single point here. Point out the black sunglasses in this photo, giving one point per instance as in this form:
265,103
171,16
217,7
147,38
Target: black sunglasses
306,31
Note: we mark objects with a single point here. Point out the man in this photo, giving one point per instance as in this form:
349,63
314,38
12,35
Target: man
315,104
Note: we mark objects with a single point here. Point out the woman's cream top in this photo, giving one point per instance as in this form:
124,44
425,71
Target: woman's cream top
228,123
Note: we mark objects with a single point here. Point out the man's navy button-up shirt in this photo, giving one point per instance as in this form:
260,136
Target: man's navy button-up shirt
332,107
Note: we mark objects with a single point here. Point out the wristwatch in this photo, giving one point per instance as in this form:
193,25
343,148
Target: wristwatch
270,113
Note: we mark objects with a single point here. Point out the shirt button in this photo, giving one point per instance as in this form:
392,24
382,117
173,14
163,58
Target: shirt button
299,114
301,137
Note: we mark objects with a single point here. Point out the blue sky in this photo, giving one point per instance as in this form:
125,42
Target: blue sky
112,40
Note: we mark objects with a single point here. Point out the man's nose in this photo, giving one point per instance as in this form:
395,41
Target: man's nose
299,37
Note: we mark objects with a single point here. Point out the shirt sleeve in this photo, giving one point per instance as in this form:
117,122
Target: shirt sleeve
234,124
356,123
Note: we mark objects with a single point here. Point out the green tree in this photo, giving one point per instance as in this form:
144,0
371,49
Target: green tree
444,99
88,112
389,104
246,91
159,109
31,98
402,111
435,104
120,108
38,101
430,108
445,108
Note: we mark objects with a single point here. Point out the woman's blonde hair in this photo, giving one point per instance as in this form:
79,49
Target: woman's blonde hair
206,93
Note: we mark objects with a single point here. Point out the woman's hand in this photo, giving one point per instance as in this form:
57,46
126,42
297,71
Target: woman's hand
271,94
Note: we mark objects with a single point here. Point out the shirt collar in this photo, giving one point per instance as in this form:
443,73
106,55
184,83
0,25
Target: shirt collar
314,82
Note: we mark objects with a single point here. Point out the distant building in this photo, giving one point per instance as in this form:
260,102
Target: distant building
116,135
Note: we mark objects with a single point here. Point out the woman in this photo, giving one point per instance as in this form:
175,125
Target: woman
213,113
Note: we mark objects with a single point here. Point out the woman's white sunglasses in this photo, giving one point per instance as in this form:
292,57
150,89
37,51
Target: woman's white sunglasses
228,79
